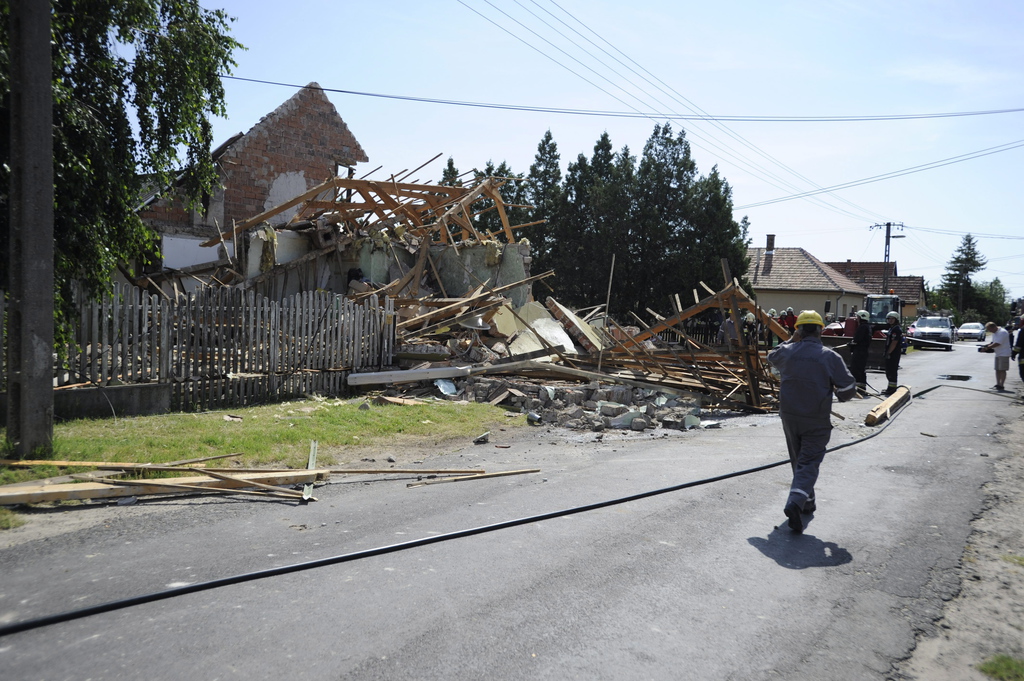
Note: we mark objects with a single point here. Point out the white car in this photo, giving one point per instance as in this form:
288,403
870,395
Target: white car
973,331
932,332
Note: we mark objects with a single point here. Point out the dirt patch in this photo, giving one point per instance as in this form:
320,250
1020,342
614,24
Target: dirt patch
987,617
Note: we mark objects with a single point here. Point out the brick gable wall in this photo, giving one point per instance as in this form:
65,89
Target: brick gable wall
304,139
304,135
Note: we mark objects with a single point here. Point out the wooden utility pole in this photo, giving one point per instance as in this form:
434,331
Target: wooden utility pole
30,250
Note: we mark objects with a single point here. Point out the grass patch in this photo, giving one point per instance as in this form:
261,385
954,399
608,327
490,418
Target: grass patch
1003,668
271,435
1016,560
9,519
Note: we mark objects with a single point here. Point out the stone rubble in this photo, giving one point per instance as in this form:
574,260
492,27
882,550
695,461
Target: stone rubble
594,406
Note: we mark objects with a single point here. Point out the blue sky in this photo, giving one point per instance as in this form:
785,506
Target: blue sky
740,58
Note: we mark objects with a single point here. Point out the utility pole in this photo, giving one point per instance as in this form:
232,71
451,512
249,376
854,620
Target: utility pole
30,252
888,235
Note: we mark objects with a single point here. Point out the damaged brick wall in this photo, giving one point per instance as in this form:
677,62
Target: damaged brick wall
304,137
297,146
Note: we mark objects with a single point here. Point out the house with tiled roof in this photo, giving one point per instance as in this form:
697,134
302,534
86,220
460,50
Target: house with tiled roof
881,277
295,147
792,277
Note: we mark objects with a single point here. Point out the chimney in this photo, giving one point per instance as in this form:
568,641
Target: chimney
770,248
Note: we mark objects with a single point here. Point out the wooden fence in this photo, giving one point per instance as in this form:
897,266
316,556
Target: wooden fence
225,347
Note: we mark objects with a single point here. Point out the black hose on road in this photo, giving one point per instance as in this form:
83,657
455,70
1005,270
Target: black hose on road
28,625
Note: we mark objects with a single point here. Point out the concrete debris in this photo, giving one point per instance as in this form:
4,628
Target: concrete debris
583,370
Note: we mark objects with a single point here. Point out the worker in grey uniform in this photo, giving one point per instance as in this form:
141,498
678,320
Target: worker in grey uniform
810,373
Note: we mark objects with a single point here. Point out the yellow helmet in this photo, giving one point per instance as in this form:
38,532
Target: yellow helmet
809,317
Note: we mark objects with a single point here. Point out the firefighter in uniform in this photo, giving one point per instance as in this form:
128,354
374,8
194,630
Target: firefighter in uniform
859,351
810,373
893,350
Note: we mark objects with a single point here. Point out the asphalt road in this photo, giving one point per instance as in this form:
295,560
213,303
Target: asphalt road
692,584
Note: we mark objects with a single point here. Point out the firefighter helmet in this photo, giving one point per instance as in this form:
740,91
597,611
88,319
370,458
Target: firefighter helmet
809,317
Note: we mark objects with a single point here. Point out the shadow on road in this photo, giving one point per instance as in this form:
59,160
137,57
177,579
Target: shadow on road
800,551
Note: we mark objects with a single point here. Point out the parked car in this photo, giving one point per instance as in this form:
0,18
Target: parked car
972,331
937,330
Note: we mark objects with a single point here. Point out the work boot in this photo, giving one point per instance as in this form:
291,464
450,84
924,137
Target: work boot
810,507
796,523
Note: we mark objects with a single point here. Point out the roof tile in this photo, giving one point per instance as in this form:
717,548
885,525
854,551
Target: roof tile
794,269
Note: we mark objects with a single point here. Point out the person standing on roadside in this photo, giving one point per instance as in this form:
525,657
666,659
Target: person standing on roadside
859,347
893,350
1000,344
1018,348
810,373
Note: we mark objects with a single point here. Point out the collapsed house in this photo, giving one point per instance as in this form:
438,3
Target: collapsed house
460,306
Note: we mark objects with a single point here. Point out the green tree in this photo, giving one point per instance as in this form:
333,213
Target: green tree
512,195
658,243
668,228
450,175
121,125
992,301
593,223
956,282
940,300
543,193
713,231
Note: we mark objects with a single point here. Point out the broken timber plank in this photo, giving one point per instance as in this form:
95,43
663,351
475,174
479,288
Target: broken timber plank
890,404
28,463
307,489
472,477
593,375
171,488
667,323
241,483
500,398
94,490
479,295
405,471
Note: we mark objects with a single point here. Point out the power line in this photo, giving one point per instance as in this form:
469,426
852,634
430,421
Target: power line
628,114
962,233
744,162
752,166
738,159
896,173
698,110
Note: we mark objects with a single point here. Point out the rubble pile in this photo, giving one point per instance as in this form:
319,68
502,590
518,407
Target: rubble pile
561,368
591,406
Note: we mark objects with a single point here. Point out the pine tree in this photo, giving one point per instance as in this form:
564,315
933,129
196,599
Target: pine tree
450,175
668,228
543,192
592,224
956,282
661,235
714,233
